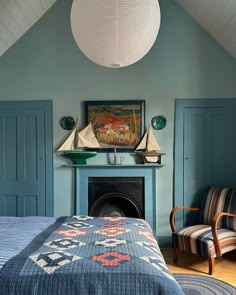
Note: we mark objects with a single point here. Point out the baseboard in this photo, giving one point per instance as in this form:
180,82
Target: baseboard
164,241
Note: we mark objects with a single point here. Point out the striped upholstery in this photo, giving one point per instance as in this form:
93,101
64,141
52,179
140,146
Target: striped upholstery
219,200
198,239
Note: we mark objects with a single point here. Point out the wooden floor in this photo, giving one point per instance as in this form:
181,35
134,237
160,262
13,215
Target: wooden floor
225,266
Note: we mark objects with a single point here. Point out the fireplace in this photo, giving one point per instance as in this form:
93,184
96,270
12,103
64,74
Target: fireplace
144,177
116,196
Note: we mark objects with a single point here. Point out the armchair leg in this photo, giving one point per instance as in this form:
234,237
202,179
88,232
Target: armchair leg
211,265
175,255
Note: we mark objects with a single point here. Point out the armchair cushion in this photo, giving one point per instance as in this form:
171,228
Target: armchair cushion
219,200
198,239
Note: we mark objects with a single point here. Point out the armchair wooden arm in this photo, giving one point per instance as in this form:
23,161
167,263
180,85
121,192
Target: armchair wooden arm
215,222
173,213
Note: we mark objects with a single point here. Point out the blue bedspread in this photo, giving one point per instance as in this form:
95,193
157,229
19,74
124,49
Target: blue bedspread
22,229
86,255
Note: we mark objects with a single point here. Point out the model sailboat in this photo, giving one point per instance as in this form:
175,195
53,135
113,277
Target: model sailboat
74,145
149,148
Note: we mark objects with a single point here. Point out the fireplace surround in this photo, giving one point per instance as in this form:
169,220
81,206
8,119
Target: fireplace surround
148,174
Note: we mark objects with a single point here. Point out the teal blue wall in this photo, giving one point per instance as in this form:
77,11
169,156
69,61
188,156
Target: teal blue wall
185,62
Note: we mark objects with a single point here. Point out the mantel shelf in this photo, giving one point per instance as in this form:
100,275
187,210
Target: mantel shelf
115,166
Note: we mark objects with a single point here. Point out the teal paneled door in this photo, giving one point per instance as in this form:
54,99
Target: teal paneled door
205,144
24,186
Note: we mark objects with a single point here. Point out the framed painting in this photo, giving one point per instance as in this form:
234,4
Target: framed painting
116,124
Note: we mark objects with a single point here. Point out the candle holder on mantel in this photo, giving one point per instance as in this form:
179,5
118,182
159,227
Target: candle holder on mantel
115,159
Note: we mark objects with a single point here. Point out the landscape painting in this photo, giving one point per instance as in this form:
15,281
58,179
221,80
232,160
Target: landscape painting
116,124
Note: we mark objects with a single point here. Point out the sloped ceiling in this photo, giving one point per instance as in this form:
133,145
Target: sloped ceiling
17,16
218,17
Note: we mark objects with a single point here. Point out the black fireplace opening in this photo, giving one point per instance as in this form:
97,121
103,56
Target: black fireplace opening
116,196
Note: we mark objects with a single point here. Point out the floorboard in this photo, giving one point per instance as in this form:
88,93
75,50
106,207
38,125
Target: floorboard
225,266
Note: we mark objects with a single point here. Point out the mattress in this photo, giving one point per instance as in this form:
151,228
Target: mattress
89,255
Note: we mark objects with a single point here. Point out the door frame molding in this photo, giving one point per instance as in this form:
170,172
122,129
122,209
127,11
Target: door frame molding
180,106
46,105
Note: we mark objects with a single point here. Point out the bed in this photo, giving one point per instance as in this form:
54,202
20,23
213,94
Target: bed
81,255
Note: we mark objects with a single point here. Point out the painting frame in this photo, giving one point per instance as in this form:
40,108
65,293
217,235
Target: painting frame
117,123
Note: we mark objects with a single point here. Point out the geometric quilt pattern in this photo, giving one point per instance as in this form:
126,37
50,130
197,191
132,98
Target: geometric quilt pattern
111,258
110,218
78,225
149,246
114,231
64,244
72,233
112,242
147,235
159,265
113,224
82,217
143,226
51,261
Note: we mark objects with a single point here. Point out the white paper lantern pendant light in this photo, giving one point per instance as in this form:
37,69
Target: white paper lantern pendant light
115,33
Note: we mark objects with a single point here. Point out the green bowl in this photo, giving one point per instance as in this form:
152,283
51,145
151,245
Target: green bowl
79,157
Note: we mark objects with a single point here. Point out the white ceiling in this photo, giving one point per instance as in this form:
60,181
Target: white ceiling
17,16
218,17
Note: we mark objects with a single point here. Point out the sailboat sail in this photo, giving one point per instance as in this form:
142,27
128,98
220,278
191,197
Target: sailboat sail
68,145
87,138
142,144
152,144
80,139
149,142
73,146
151,150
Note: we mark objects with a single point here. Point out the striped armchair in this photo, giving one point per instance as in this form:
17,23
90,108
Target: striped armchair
216,232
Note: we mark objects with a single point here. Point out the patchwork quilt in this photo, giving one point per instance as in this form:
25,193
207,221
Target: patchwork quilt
90,255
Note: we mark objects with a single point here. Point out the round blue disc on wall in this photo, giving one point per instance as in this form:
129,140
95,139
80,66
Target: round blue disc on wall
158,122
